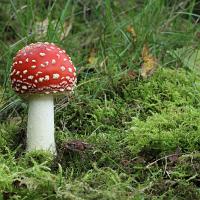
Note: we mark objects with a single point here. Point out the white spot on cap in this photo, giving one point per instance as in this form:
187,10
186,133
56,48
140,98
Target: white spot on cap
36,81
67,77
46,78
25,71
41,79
42,54
26,59
46,63
63,83
71,80
39,72
65,59
53,61
56,76
24,87
61,89
62,68
33,60
42,65
17,73
20,62
33,66
70,69
30,77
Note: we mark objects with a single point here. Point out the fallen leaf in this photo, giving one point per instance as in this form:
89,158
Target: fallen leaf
149,62
174,157
132,74
125,162
76,146
92,59
41,28
131,30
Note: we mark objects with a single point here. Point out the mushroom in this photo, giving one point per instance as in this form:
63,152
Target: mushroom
39,72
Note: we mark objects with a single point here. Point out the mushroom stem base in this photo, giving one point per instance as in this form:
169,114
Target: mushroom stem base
40,128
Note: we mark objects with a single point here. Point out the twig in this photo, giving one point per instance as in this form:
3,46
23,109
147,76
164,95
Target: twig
165,157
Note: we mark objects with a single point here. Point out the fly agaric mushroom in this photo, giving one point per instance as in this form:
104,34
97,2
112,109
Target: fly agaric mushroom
39,72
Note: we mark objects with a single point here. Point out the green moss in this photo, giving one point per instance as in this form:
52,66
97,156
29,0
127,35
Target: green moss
173,127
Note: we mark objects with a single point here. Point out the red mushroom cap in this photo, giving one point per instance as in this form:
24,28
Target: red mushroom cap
42,68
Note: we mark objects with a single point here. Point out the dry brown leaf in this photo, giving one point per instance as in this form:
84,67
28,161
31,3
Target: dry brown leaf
132,74
76,146
92,59
175,156
131,30
129,75
41,28
149,62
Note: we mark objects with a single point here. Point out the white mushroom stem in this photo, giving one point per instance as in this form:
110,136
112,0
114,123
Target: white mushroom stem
40,128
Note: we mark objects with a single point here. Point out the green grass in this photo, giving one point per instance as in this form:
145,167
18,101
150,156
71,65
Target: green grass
143,135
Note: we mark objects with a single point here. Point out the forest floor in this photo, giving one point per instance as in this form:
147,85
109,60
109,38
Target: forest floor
131,129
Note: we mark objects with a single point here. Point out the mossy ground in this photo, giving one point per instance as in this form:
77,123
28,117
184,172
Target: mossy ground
118,136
